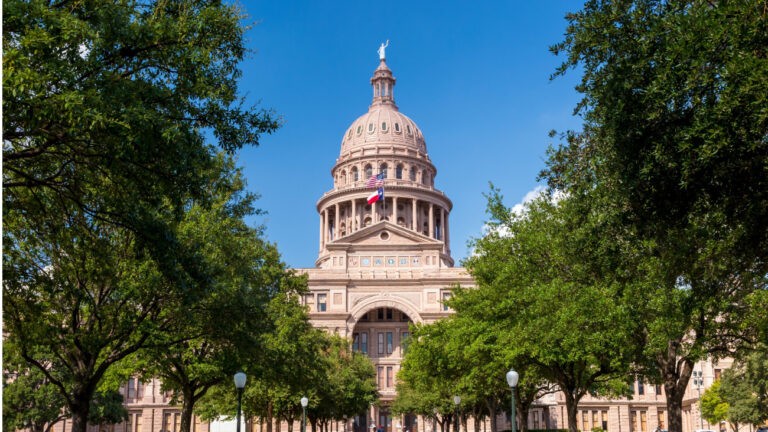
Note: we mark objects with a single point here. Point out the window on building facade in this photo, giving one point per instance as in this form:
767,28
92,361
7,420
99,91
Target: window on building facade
640,387
661,418
389,343
658,390
389,377
356,342
399,172
380,375
412,173
381,342
605,420
355,175
643,421
404,342
364,343
368,171
446,297
383,170
322,302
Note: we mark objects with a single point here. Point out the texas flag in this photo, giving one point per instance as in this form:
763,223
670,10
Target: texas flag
378,195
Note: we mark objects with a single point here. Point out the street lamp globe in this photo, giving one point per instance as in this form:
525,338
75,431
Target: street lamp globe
512,377
456,400
304,402
240,380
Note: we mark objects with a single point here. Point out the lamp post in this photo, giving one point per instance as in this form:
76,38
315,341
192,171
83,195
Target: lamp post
434,422
456,402
512,377
239,385
698,381
304,403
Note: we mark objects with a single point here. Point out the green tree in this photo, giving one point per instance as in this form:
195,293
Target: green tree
107,108
545,285
673,141
713,408
222,330
30,401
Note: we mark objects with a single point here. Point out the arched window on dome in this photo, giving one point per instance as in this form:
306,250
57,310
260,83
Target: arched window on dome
412,173
397,127
399,171
383,170
425,178
355,174
368,171
343,177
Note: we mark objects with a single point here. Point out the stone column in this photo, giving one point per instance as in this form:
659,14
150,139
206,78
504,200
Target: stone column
447,240
321,230
394,210
336,223
414,222
354,217
431,220
442,226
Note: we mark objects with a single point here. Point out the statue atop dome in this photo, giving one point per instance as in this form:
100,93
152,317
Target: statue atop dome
382,48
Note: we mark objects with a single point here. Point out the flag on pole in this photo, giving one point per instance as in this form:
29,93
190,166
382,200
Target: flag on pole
376,181
376,196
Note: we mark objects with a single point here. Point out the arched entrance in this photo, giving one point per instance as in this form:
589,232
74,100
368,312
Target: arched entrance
380,330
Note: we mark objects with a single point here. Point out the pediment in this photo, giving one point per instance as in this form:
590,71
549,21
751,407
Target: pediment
384,234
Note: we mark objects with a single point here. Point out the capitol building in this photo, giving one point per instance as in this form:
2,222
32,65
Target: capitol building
384,262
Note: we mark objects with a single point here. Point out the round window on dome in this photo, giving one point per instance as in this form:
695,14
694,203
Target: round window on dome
383,126
370,127
408,129
359,129
397,127
349,135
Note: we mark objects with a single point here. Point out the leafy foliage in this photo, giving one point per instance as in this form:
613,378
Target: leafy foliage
674,144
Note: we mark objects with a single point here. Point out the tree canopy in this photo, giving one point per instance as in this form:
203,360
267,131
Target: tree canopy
674,144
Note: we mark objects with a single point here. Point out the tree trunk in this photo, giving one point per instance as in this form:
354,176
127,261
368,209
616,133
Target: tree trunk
676,372
269,417
522,415
80,408
187,405
571,407
493,409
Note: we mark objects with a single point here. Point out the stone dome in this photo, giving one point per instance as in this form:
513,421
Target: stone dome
383,124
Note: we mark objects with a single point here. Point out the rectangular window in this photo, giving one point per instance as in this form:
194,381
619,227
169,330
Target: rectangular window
364,343
643,421
322,300
380,372
389,314
389,343
389,376
585,420
633,421
129,422
404,343
446,297
536,420
131,388
355,341
660,416
640,387
595,420
138,423
380,314
604,424
658,391
167,419
381,342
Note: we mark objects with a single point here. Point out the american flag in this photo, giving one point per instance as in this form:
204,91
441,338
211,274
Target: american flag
376,181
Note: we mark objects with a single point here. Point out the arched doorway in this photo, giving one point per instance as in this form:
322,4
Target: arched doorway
380,330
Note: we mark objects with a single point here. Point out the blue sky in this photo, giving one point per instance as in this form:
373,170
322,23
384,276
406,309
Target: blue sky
473,75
